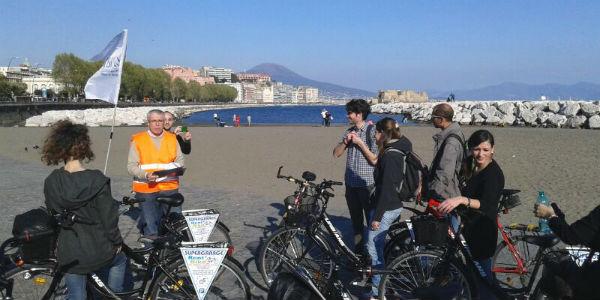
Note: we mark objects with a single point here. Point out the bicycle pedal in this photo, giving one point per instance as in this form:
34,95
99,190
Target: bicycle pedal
362,282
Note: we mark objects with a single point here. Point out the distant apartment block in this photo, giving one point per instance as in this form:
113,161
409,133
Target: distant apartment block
222,75
252,77
410,96
284,93
187,74
308,94
240,91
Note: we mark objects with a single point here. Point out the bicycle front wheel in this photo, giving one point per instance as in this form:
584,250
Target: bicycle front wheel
294,246
229,283
30,282
507,273
425,275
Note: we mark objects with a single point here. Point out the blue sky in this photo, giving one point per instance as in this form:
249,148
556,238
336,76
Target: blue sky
424,45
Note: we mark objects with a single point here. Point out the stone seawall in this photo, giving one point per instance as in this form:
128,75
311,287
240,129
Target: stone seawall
567,114
126,116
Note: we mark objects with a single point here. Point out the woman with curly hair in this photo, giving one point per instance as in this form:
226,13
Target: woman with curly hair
94,246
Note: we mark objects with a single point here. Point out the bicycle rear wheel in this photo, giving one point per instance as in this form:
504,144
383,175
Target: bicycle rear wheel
426,275
505,269
229,283
30,282
294,246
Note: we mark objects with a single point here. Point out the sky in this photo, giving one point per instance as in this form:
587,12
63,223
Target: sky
371,45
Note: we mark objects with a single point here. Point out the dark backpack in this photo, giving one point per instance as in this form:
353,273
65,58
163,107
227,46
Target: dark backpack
415,172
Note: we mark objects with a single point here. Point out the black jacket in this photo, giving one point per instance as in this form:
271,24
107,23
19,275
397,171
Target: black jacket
388,176
186,146
585,231
84,248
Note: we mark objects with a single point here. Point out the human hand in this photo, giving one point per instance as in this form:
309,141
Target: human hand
177,130
543,211
187,136
375,225
450,204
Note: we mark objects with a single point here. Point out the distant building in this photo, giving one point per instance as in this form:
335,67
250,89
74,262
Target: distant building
187,74
308,94
222,75
240,91
35,78
402,96
284,93
252,77
264,94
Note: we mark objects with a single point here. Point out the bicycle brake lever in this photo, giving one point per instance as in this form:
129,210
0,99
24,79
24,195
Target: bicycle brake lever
559,213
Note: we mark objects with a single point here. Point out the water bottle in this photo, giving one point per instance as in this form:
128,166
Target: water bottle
543,223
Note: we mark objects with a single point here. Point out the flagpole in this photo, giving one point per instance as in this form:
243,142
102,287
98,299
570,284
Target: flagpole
112,128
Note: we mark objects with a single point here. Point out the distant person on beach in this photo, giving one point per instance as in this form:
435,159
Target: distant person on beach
82,248
153,150
238,120
328,118
183,137
323,117
249,118
359,140
217,120
562,278
448,152
234,119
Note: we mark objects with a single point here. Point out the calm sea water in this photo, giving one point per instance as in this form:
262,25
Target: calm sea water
277,115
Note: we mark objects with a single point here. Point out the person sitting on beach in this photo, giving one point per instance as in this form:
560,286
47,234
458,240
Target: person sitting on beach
153,150
386,202
481,197
359,140
580,281
82,248
184,138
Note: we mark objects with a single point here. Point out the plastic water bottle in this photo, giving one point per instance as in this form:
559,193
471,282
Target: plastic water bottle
543,223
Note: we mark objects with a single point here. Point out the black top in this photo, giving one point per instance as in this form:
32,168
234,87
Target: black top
481,231
388,176
585,231
186,146
86,248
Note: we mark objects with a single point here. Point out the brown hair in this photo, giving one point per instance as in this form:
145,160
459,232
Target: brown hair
67,140
389,128
443,110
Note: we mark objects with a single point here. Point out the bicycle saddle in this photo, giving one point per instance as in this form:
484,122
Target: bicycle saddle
544,241
509,192
174,200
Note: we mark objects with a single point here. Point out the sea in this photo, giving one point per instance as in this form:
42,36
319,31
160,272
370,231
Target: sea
282,115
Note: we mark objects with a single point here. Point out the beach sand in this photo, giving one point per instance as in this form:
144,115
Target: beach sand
233,170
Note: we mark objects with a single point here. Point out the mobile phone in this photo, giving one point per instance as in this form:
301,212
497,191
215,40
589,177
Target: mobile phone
183,128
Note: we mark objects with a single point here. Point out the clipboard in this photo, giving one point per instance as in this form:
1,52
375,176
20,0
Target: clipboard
170,172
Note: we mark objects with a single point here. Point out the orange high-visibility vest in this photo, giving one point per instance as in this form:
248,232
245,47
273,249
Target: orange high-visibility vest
152,159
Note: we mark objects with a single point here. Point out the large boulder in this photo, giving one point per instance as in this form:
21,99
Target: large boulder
557,120
507,120
594,122
507,108
528,116
490,111
570,109
553,107
493,120
543,116
590,109
576,121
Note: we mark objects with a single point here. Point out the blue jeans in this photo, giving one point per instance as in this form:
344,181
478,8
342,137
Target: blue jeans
376,242
152,211
113,274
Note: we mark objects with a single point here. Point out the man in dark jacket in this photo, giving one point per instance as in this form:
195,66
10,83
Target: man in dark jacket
582,281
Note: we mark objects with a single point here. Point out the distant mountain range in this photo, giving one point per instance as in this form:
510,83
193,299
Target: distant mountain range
287,76
522,91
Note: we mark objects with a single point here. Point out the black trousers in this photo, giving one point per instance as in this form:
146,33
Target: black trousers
357,199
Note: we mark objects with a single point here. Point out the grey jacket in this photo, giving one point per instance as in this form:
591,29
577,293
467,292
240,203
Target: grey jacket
444,181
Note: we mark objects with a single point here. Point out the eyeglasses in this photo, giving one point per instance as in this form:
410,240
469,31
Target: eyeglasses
436,117
156,121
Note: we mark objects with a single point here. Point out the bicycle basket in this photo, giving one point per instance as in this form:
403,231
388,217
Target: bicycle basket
429,230
41,225
294,214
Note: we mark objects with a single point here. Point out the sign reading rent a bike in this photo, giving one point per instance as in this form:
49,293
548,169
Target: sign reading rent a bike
202,262
201,223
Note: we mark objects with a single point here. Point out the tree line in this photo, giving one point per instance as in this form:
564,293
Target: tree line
8,89
137,82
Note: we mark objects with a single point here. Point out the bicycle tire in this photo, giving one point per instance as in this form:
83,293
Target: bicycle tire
415,277
399,242
514,283
229,283
31,282
319,265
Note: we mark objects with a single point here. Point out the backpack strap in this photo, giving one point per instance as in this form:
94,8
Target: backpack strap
404,155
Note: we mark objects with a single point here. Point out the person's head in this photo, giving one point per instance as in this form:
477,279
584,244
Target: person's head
156,120
65,142
442,115
169,120
481,145
386,129
358,110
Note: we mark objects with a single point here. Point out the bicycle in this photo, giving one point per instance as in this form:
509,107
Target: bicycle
314,244
160,267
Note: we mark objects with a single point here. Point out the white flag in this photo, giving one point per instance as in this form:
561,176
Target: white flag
105,84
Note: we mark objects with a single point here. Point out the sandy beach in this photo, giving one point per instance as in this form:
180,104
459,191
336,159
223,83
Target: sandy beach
233,170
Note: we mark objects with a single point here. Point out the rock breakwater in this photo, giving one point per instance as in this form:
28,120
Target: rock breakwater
565,114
